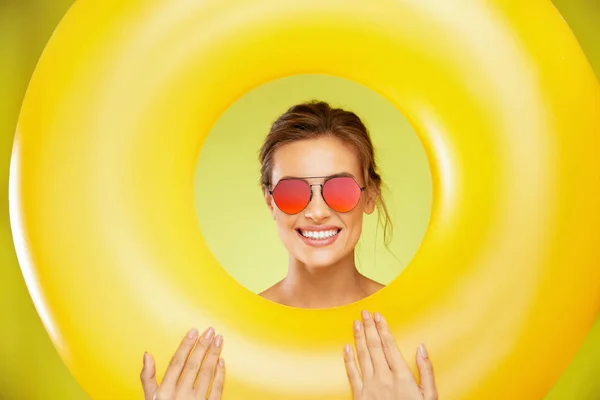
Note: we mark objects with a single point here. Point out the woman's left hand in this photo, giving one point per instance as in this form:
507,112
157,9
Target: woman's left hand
384,374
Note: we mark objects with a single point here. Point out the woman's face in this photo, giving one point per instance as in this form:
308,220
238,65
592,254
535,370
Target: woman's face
321,157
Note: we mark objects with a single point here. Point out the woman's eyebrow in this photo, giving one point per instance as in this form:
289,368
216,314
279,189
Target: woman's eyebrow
340,174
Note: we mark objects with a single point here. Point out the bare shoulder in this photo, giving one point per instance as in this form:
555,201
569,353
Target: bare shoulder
371,286
273,293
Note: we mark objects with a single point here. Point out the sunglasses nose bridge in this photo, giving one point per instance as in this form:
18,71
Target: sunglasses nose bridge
312,191
316,208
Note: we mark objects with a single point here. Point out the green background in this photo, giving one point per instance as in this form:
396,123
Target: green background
29,365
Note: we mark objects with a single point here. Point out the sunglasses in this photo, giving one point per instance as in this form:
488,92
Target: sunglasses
340,193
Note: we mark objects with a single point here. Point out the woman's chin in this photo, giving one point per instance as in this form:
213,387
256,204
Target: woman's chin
321,259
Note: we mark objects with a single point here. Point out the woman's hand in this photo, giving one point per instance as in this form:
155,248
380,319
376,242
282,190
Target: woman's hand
189,374
385,374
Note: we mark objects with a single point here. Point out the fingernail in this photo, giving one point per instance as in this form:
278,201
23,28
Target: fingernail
218,341
377,317
366,315
145,358
209,333
356,326
348,349
422,351
221,362
192,334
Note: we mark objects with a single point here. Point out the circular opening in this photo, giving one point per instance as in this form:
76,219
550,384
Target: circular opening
233,216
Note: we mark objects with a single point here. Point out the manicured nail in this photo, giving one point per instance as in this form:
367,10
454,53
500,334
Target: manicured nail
377,317
221,362
192,334
422,351
357,326
218,341
348,349
209,333
366,315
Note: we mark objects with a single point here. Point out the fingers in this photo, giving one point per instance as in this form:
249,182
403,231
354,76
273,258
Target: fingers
169,381
194,361
362,351
426,374
148,377
217,386
207,370
390,348
352,372
374,344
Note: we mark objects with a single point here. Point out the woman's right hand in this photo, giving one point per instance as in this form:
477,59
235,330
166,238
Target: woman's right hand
189,374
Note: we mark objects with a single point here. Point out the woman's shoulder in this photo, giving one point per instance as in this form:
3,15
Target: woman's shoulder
371,286
272,293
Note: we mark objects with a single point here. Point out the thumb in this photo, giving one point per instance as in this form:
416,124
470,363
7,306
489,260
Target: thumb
426,374
148,377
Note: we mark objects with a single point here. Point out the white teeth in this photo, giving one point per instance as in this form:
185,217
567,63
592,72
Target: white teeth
319,234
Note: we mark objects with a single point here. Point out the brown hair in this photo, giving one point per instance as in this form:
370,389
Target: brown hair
317,119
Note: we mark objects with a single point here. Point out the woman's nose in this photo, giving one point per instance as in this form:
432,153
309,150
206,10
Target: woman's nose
317,209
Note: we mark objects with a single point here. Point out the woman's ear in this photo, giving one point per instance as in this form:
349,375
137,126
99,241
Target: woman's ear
371,200
269,201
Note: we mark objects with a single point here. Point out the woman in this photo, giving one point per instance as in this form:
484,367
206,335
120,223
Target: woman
318,178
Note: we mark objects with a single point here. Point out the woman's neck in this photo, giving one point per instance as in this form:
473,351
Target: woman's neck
323,287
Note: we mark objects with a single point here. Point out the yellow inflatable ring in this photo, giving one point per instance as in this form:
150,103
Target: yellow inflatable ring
505,286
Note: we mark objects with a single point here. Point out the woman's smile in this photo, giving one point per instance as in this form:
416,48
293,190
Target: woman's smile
318,236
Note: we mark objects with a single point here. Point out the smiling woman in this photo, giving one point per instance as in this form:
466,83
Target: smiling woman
319,178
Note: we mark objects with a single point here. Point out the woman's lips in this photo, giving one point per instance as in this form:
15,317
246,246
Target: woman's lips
319,242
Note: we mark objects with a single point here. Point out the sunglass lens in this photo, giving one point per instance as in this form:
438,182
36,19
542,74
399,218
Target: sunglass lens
341,194
291,195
